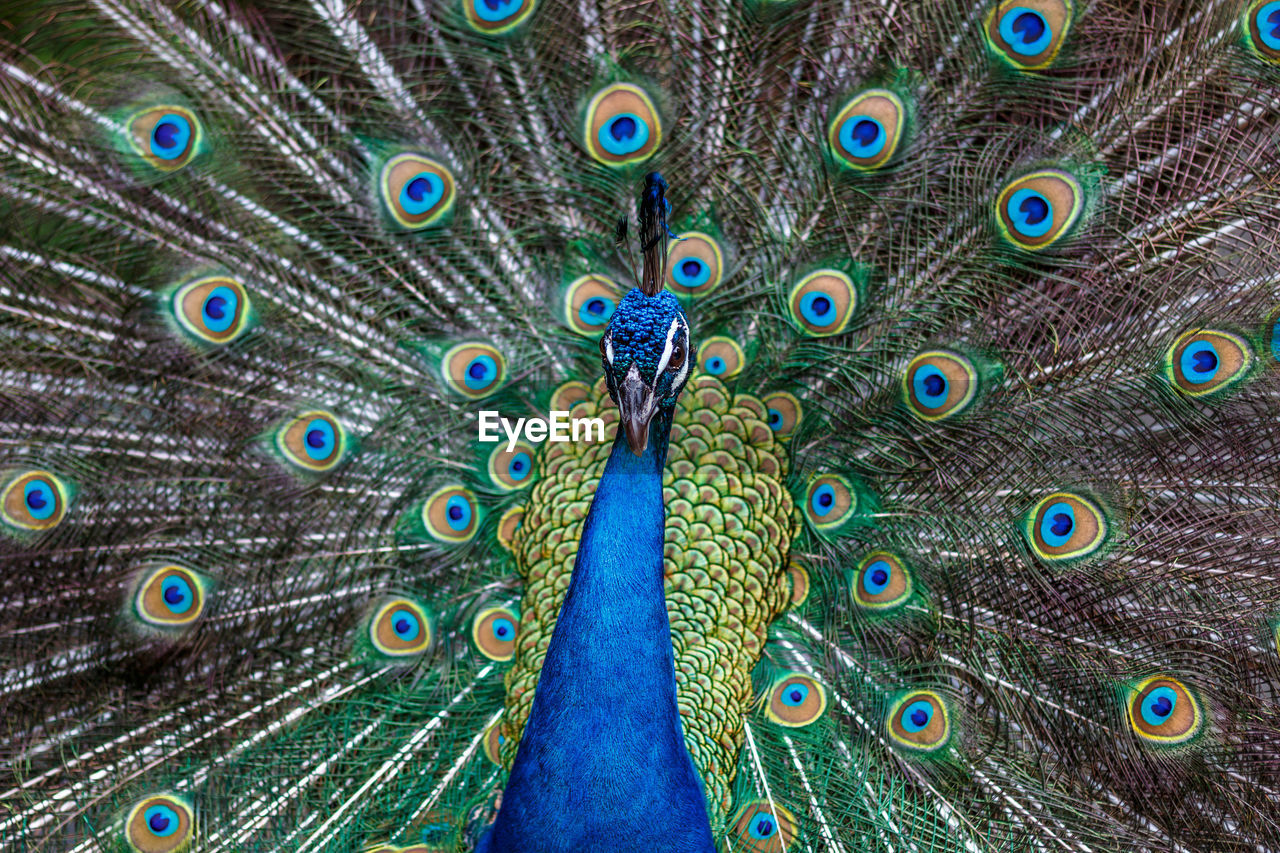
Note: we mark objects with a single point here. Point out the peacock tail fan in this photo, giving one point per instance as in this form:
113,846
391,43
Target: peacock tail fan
971,511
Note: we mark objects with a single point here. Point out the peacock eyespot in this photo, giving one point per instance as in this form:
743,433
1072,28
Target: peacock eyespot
451,515
214,309
784,412
1204,362
416,191
1066,526
918,721
494,17
763,826
796,701
589,303
160,824
721,357
1262,25
511,469
508,524
822,302
867,131
622,126
881,581
1163,711
400,628
170,597
695,265
939,384
494,632
474,370
166,137
34,500
1028,34
493,742
1037,210
313,441
800,584
830,501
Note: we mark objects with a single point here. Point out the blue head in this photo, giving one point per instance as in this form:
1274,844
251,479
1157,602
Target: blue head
647,355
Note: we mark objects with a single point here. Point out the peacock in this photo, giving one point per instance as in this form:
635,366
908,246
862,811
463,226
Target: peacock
921,483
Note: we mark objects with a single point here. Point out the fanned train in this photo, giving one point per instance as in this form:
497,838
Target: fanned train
935,347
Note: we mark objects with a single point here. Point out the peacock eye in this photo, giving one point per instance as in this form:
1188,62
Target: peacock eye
161,823
678,354
400,628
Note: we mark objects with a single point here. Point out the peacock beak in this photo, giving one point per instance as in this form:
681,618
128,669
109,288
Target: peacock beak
637,407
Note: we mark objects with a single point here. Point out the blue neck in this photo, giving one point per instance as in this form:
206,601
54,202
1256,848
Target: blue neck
602,764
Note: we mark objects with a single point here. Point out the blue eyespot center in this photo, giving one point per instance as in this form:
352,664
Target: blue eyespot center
406,625
161,820
763,827
818,308
715,365
930,386
1025,31
219,309
494,11
625,133
1035,208
824,498
1268,20
623,127
917,715
1206,362
875,578
1030,212
39,498
503,629
1158,705
596,311
177,594
862,136
480,372
520,467
170,136
1199,362
319,440
421,193
1056,525
458,513
418,188
1030,25
691,273
166,134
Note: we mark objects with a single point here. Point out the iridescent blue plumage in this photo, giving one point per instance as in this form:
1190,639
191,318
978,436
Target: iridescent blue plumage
602,764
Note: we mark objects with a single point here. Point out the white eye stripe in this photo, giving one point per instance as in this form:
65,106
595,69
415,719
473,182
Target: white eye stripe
669,347
608,349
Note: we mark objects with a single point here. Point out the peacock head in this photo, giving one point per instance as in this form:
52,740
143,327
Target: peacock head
646,353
